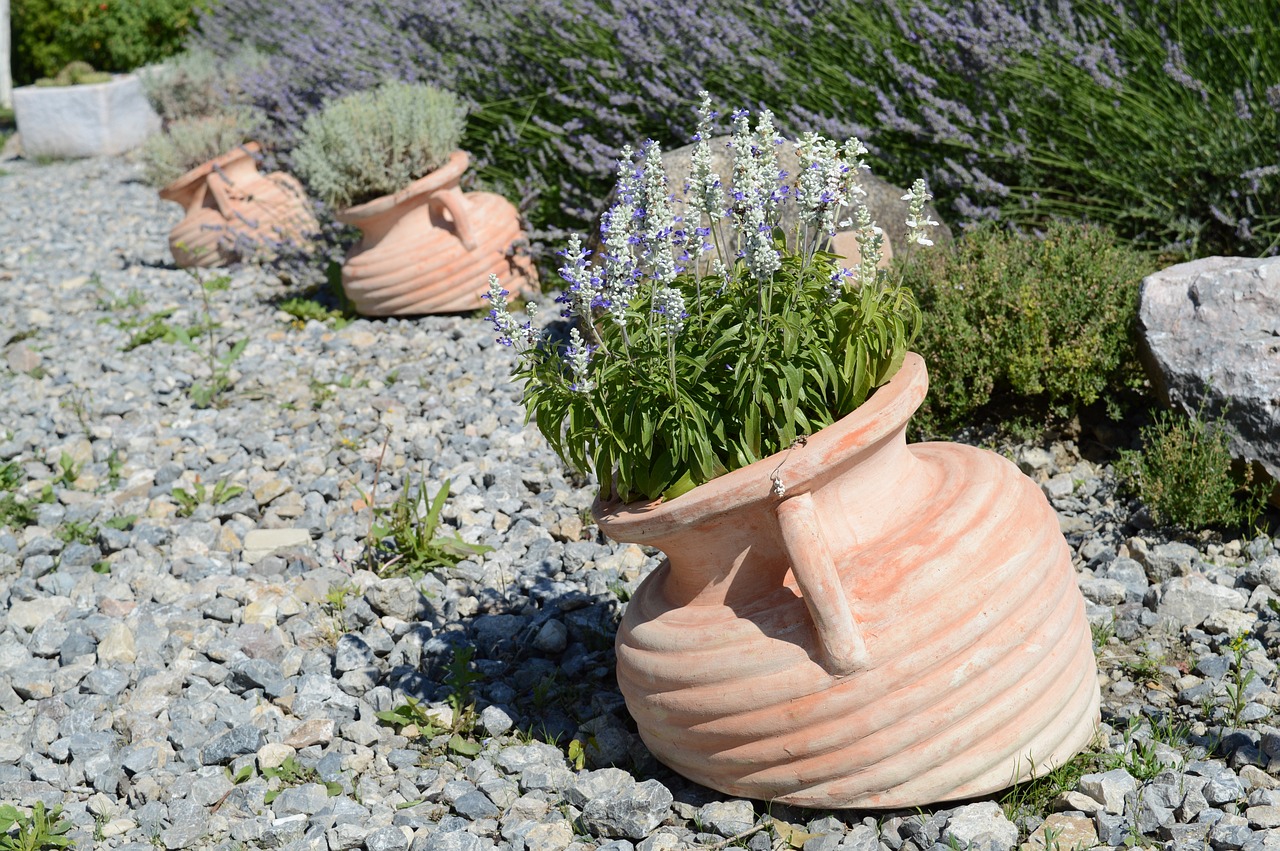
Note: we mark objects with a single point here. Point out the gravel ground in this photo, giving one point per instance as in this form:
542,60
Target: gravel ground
192,654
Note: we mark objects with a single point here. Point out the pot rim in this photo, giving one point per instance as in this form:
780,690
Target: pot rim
886,411
438,179
182,184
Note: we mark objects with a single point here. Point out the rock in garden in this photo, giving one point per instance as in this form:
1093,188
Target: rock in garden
238,741
398,597
982,825
1062,831
1188,600
260,543
727,818
1210,338
630,814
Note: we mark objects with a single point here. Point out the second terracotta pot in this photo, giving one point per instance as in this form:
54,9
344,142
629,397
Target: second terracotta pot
232,210
901,627
431,247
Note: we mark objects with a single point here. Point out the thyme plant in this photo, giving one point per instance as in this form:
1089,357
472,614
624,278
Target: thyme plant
685,362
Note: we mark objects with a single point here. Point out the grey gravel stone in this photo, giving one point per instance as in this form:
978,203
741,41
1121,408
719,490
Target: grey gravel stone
630,814
983,824
244,739
387,839
727,818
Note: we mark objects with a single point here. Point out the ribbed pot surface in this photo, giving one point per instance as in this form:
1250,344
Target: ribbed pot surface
430,248
422,266
971,665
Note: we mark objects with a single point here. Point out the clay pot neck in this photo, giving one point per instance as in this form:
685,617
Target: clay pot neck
410,207
229,173
733,533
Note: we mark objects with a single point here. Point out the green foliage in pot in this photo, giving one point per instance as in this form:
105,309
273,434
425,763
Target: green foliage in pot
113,35
196,82
1033,325
75,74
189,142
686,362
369,144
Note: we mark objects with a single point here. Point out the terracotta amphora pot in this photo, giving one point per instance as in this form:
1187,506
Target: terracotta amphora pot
901,627
233,210
431,247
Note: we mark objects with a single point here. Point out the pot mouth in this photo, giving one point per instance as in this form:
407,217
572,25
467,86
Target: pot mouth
886,411
438,179
182,184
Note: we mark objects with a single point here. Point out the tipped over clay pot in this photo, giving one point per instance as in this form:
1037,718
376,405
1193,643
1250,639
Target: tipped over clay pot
232,210
901,627
431,247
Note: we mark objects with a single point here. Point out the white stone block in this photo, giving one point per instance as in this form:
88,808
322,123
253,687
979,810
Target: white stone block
101,119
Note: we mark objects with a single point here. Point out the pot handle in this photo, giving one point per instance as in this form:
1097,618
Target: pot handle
815,572
219,184
457,205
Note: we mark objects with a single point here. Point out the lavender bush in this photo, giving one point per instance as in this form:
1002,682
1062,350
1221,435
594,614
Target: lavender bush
1160,118
552,89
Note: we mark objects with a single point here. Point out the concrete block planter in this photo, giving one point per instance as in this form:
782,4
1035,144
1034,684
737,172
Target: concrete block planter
101,119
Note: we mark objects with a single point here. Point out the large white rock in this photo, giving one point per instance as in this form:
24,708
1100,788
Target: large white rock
101,119
1210,333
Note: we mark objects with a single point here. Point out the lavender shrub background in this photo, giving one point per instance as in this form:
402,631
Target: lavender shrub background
1159,118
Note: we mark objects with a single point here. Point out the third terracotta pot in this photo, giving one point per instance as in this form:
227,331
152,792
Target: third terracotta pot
901,627
431,247
232,210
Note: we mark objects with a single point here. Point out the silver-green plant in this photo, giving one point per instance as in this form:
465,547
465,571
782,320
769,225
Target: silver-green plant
198,83
188,142
377,142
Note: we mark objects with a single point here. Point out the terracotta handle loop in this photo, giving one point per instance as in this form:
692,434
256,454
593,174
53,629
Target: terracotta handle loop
820,585
456,204
218,185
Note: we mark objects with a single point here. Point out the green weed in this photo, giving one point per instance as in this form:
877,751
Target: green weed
38,831
11,476
114,468
410,527
122,523
77,532
68,470
1240,679
304,310
223,491
208,392
293,773
1183,475
411,714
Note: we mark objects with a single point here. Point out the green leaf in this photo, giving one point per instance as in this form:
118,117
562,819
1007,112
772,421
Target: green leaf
462,746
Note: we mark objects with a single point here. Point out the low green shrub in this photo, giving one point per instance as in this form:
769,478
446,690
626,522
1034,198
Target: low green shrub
189,142
197,83
119,35
1034,325
376,143
75,73
1183,475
